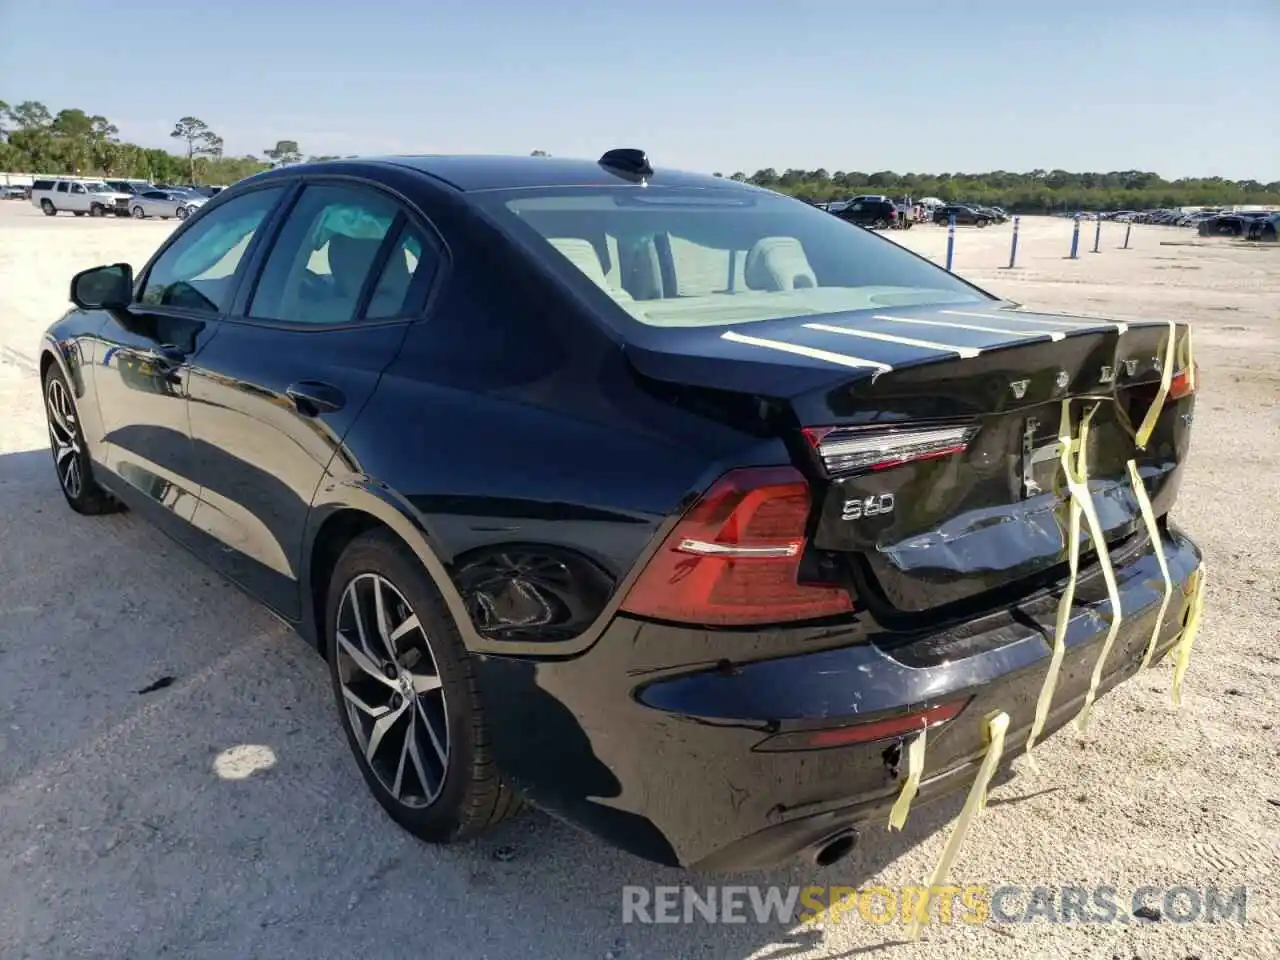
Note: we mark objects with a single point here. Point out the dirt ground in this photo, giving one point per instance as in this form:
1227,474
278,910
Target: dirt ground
220,815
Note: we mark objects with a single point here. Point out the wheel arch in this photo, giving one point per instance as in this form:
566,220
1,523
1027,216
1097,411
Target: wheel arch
343,512
54,351
47,360
334,533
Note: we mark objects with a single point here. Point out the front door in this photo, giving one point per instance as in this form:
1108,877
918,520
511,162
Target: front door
274,394
145,353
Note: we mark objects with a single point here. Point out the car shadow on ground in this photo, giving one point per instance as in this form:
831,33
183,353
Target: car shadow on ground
190,790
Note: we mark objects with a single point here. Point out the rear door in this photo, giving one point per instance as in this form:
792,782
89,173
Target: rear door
274,394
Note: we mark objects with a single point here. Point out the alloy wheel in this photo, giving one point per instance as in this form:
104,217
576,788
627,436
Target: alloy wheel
392,690
64,437
138,214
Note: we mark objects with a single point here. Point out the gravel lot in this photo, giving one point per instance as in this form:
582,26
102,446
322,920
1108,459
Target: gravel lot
220,816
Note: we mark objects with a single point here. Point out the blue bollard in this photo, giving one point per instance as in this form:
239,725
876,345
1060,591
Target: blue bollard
1075,241
1097,233
1013,244
951,239
1128,227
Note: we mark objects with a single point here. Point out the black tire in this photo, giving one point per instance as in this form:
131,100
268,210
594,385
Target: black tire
472,797
138,214
182,213
983,223
49,209
97,210
66,442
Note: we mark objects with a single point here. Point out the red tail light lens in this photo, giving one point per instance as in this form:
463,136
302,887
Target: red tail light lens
734,558
1184,382
867,731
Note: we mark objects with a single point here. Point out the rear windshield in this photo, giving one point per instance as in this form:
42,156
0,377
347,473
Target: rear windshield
696,257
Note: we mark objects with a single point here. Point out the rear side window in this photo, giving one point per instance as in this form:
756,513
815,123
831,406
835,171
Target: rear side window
197,272
714,257
324,256
62,188
411,264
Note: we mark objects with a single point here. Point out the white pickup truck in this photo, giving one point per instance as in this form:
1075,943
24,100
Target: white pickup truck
79,197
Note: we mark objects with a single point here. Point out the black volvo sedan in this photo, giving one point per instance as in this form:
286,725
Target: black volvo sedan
665,502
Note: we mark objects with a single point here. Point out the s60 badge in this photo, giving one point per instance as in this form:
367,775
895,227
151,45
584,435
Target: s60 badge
877,506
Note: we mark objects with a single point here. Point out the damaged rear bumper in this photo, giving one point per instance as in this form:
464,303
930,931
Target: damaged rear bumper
653,738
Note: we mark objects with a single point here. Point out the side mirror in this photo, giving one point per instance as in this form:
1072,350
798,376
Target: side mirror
103,288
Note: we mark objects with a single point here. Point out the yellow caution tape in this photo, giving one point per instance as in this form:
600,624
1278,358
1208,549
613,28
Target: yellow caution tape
1079,484
1191,363
1068,595
997,726
1153,532
910,786
1182,655
1166,378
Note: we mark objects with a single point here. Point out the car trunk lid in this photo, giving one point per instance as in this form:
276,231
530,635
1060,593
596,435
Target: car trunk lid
931,436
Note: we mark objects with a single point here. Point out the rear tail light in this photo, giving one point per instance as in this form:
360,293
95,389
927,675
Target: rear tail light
734,558
866,731
858,449
1184,382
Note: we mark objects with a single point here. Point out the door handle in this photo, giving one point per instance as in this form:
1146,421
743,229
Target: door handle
166,355
312,397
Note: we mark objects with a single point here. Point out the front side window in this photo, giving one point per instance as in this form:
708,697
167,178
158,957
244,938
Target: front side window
77,188
711,257
198,270
325,252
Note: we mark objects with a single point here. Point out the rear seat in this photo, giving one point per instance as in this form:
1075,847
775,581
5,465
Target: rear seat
772,263
583,255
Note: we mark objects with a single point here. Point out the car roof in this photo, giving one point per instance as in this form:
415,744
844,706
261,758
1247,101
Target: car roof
470,173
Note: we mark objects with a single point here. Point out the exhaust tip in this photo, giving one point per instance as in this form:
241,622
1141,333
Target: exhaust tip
835,850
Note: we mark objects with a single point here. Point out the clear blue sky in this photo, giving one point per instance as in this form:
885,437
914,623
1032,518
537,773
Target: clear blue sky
907,85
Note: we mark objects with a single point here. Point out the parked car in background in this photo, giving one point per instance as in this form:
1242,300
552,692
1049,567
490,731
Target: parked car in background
93,197
641,494
131,187
1230,224
1264,228
875,213
165,204
965,215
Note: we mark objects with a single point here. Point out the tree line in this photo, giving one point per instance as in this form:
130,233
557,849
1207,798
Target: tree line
33,139
1039,191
